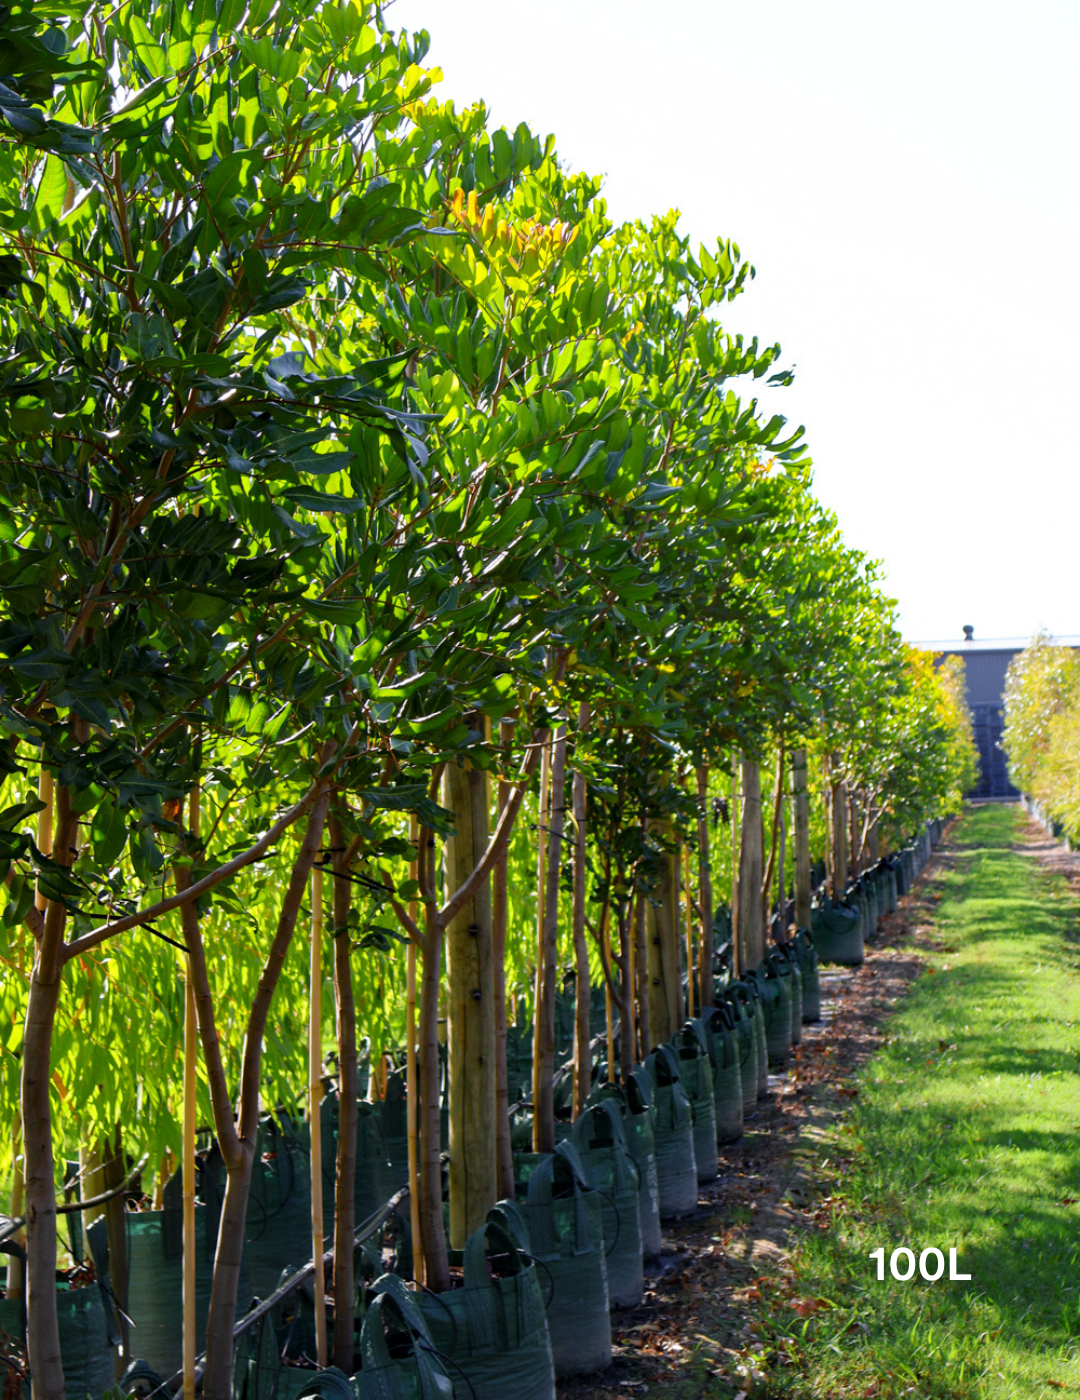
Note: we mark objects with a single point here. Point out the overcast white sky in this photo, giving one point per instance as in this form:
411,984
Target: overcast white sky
905,178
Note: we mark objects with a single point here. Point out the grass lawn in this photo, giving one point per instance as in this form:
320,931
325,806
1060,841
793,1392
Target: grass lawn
966,1133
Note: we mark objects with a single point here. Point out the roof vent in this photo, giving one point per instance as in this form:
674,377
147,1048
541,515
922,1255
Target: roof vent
969,634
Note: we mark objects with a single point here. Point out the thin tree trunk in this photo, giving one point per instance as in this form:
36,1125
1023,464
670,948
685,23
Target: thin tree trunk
781,876
188,1182
751,935
470,1009
544,1102
504,1152
582,989
625,964
237,1138
767,879
42,1333
433,1233
609,999
706,995
543,818
412,1085
801,784
736,861
663,943
839,838
348,1094
688,900
315,1094
641,975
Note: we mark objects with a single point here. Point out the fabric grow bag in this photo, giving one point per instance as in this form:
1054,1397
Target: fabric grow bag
695,1075
719,1037
373,1182
808,970
86,1353
398,1360
633,1103
787,954
600,1143
837,935
564,1219
673,1126
493,1331
738,1000
155,1283
773,979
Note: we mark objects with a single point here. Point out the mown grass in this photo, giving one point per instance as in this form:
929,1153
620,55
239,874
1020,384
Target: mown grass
966,1134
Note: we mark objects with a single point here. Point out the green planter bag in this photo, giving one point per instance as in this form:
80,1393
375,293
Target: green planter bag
773,978
745,1031
600,1143
564,1219
398,1360
717,1032
787,954
86,1353
637,1120
155,1282
673,1126
695,1074
492,1331
808,971
837,935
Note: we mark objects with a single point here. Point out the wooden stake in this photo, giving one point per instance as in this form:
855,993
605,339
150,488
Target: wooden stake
315,1093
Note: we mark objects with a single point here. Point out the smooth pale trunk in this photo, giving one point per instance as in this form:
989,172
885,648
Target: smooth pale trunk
705,946
412,1090
800,780
470,1010
751,929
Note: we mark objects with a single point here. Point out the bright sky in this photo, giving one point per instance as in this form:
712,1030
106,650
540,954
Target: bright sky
905,179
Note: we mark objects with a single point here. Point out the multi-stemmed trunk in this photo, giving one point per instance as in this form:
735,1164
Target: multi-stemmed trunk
237,1135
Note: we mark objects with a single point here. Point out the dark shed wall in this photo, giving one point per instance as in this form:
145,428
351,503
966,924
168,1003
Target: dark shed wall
984,672
984,677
